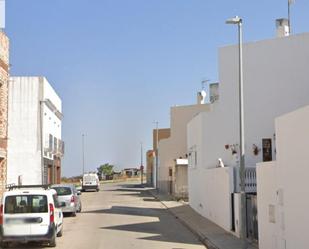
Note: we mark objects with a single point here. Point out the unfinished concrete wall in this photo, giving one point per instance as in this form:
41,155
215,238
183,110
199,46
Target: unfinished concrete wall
4,78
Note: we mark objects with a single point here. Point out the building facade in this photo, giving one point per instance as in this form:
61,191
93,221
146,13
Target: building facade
35,147
175,147
282,186
163,133
275,82
4,78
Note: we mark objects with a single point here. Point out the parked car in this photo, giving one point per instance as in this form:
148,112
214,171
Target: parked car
30,213
68,194
90,182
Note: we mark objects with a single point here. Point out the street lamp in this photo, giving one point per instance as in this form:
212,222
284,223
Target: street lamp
142,166
157,152
83,151
238,21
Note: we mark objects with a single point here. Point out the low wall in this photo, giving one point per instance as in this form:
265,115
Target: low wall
210,194
267,206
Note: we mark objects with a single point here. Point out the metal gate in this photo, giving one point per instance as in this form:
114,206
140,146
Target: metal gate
252,218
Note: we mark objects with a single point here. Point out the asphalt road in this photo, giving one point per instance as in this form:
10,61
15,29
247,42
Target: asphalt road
123,216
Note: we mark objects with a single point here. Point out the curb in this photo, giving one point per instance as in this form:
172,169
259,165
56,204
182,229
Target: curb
202,238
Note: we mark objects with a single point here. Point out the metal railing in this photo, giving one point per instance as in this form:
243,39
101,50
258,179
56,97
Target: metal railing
250,180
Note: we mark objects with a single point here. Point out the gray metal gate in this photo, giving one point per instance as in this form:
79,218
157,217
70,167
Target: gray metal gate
252,218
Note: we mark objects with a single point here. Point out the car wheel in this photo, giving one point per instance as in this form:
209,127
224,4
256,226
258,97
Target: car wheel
52,242
60,233
73,214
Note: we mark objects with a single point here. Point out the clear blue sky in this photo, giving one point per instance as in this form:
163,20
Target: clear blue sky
118,65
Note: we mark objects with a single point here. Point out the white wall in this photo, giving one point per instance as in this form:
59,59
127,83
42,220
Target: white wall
51,123
24,146
24,132
288,183
275,82
214,194
267,204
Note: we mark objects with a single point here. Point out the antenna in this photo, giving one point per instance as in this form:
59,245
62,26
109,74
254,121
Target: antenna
290,2
204,82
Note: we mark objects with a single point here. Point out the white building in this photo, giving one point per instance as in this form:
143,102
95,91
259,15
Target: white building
35,147
275,82
282,186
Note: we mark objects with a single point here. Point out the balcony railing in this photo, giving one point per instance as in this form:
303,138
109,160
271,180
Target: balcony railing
250,180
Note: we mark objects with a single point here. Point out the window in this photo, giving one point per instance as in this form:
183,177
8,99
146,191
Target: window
63,190
55,198
18,204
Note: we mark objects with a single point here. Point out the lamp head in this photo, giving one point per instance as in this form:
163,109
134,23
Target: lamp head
234,20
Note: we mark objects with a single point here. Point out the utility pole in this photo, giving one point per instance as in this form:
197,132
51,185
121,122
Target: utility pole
142,166
157,153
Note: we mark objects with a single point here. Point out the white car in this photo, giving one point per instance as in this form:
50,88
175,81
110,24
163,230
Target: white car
90,182
30,213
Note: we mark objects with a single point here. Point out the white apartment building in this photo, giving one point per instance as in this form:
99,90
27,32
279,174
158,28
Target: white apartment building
35,147
275,82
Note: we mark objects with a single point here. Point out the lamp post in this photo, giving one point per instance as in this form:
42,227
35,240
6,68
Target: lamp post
157,154
142,166
83,149
238,21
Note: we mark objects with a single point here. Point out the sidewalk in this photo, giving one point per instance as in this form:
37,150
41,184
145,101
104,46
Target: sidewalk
210,234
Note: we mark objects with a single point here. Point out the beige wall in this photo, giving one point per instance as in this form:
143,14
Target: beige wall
150,155
176,145
162,134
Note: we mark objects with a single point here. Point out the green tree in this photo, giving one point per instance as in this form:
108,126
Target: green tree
106,169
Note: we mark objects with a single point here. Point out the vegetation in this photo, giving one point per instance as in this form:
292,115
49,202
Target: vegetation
106,169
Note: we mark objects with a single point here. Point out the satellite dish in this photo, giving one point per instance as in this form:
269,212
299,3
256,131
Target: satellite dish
201,97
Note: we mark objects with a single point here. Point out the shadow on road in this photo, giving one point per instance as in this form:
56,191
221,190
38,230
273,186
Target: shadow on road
165,228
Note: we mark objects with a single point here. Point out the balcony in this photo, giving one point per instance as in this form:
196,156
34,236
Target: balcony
53,146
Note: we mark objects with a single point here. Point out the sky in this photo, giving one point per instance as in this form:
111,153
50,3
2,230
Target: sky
119,65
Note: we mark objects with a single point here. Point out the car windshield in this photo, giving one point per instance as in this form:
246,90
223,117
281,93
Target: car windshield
18,204
63,190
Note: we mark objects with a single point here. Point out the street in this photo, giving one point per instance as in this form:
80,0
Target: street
122,216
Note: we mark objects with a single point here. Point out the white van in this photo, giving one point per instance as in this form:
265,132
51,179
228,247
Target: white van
90,182
30,213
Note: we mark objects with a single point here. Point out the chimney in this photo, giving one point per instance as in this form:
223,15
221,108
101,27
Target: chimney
282,26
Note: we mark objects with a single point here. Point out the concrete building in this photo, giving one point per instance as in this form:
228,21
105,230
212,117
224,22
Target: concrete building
151,155
282,186
275,82
35,147
175,147
4,78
